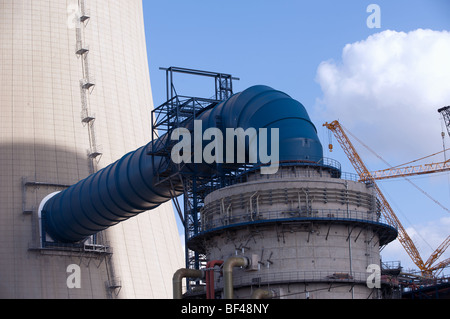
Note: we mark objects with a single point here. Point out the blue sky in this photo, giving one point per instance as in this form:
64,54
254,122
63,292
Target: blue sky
283,43
277,43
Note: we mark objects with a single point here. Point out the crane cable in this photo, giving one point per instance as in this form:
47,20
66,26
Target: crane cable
407,179
422,158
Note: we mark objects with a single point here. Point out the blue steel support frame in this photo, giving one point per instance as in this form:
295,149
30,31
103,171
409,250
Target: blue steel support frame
169,116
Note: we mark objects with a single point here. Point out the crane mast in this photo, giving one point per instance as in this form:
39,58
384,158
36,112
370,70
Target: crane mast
437,253
386,209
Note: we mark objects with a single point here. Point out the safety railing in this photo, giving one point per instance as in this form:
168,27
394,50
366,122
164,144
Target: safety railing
262,278
211,222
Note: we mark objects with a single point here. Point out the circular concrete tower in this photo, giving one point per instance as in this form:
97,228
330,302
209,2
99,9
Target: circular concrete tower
301,233
75,96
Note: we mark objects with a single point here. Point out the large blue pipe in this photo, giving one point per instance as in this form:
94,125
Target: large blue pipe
127,187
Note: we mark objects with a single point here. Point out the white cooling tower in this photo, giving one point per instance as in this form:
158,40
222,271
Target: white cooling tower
75,96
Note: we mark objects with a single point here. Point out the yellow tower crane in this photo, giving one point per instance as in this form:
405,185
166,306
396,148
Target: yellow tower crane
386,210
405,171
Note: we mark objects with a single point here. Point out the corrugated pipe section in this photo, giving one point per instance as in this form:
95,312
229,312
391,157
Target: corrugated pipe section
127,187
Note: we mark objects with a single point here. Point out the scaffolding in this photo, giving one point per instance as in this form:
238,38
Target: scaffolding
171,115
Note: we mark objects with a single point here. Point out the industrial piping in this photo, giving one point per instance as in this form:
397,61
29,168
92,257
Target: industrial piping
177,280
210,290
228,266
262,294
127,187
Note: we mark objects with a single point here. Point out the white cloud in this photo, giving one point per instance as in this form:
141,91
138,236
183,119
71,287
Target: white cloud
387,90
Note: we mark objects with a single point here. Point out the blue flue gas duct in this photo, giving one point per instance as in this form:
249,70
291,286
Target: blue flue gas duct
127,187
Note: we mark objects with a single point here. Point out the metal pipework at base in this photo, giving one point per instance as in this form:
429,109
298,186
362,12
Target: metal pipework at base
228,266
177,280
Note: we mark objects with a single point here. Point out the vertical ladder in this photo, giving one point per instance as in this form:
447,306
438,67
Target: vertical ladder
87,84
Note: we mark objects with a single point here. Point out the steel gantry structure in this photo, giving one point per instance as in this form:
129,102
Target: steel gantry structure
365,175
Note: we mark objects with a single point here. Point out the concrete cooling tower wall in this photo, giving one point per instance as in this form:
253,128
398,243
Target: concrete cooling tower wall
75,96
